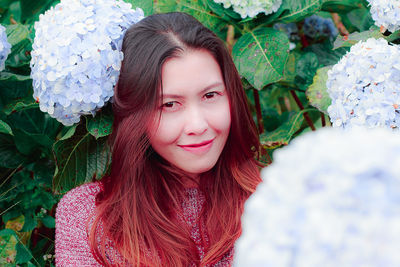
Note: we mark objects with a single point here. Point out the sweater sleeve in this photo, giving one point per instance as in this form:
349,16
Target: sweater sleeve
71,241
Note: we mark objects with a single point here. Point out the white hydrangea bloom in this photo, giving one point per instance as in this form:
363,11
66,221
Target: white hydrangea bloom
330,198
5,47
251,8
386,13
76,55
364,86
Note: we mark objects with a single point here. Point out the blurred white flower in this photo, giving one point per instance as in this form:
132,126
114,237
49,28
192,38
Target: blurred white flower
364,86
5,47
386,13
329,199
76,56
251,8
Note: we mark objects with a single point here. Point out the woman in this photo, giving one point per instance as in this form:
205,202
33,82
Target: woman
183,149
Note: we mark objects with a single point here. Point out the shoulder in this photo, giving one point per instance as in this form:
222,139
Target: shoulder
78,202
72,214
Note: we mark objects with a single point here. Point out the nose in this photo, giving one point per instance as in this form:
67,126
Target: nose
196,121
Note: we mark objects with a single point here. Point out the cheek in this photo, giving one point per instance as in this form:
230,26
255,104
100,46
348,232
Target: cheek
165,132
220,119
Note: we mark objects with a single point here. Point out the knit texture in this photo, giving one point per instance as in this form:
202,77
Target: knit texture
74,210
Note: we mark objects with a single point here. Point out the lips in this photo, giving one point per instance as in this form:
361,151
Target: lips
199,144
199,148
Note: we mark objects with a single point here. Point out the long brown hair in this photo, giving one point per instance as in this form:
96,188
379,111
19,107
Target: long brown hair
137,206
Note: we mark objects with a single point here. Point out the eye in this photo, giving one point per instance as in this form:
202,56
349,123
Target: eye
170,106
211,95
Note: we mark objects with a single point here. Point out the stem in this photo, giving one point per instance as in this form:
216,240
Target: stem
230,37
339,25
258,111
305,114
323,119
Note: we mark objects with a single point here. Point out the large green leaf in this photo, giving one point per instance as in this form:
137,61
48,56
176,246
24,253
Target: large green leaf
282,135
14,86
339,6
197,9
225,13
32,9
289,72
20,104
261,55
79,159
145,5
10,157
296,10
317,92
33,130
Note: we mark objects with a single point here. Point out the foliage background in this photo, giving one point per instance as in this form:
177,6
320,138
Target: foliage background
40,159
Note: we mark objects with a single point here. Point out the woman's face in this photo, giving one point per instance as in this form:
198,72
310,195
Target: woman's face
194,113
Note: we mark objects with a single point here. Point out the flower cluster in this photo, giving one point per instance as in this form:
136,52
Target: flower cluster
329,199
316,27
386,13
76,55
251,8
364,86
5,47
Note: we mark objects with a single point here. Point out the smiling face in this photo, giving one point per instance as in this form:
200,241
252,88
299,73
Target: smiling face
194,113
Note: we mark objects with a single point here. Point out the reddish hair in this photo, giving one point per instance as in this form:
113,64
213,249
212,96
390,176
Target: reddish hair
142,194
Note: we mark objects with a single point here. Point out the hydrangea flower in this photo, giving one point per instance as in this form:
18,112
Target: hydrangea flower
364,86
251,8
386,13
330,198
5,47
316,26
76,55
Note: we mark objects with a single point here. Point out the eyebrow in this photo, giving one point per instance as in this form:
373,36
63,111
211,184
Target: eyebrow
202,91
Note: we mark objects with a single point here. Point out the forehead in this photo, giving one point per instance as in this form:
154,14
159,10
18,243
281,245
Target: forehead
190,72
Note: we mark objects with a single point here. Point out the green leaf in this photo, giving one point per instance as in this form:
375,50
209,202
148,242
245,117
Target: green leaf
20,104
23,254
357,20
79,159
49,221
225,13
101,124
317,92
198,10
145,5
33,130
8,241
352,39
289,72
306,68
10,157
18,36
30,222
5,128
68,132
297,10
339,6
285,132
261,55
327,56
16,33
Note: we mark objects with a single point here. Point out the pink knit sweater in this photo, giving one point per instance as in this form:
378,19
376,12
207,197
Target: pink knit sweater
72,244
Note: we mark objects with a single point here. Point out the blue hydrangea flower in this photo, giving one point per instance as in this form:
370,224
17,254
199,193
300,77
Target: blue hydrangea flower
316,26
364,86
76,56
386,13
5,47
251,8
330,198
